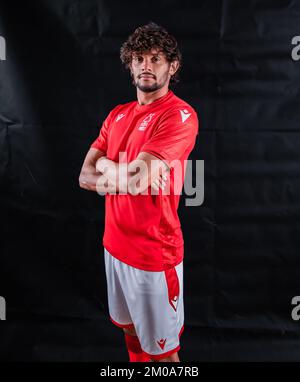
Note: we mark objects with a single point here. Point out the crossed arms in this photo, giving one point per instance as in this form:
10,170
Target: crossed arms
101,174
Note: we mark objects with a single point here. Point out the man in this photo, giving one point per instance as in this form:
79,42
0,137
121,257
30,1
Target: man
140,153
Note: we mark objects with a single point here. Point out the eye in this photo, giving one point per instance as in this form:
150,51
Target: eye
138,59
155,58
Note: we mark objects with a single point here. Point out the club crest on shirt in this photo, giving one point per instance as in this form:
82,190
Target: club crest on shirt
145,122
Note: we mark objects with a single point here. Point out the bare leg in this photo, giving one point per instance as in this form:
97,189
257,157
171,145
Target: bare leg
172,358
132,332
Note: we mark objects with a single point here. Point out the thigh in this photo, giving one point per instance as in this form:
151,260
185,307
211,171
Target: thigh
155,303
117,305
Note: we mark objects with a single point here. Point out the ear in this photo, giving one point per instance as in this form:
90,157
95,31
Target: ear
173,67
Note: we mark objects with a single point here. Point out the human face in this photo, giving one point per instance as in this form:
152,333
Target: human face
151,70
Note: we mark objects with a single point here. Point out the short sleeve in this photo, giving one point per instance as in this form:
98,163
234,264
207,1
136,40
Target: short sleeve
100,142
174,136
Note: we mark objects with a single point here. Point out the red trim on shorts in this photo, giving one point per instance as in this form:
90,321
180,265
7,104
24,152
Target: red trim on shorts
173,286
168,353
129,326
181,331
163,355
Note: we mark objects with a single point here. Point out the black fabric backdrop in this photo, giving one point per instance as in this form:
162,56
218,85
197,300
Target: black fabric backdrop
61,77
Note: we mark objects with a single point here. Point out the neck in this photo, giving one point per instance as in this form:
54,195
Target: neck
146,98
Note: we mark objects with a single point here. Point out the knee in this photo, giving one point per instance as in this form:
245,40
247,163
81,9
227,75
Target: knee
171,358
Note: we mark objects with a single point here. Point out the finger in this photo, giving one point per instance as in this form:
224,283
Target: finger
162,184
163,176
155,186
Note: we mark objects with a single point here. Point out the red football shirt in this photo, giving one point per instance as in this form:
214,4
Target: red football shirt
144,230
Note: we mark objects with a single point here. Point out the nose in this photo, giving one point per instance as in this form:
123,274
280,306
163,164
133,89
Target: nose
147,65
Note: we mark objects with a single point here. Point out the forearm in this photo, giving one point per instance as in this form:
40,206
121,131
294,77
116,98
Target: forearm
89,175
95,181
105,186
88,179
132,177
114,173
119,175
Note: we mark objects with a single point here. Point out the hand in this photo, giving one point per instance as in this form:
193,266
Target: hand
159,182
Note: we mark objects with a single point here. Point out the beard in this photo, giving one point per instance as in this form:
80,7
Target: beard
153,87
149,88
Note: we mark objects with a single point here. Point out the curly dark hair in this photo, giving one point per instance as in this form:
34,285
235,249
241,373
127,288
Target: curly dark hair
150,36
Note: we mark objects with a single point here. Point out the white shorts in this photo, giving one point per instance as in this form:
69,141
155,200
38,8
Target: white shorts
152,302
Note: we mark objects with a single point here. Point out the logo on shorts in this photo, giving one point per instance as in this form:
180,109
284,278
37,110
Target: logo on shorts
162,343
174,302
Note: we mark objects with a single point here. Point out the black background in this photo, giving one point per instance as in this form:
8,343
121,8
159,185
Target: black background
61,78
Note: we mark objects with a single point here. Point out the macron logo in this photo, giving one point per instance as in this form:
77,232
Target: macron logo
184,115
120,116
174,302
162,343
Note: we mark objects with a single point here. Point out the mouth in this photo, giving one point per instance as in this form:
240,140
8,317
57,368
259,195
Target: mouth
146,76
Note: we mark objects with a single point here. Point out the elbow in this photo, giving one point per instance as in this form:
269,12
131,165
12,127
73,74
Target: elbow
82,180
82,184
